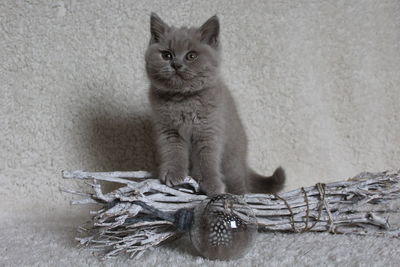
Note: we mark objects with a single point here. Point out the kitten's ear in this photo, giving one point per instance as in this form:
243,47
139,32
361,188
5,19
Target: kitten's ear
157,28
210,31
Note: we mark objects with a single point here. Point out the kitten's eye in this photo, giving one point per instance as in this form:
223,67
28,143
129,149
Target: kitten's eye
166,55
191,56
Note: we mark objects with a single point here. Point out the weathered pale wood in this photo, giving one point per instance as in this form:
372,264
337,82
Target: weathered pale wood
366,204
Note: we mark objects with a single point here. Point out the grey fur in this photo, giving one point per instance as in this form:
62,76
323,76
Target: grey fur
197,126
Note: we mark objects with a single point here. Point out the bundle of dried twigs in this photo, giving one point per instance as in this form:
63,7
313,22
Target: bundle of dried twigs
128,219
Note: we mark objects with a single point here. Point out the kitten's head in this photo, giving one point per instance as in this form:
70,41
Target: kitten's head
182,60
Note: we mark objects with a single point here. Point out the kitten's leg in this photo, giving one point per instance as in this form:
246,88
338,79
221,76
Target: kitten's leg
174,156
235,177
234,168
207,161
194,170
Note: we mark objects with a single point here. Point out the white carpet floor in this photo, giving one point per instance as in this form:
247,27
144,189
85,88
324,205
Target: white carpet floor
49,241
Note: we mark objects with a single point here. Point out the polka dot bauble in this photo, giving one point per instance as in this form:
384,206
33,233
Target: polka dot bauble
224,227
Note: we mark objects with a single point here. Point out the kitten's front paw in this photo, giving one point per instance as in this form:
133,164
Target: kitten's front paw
172,177
213,187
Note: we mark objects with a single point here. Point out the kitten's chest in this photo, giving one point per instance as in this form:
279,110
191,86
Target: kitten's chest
184,114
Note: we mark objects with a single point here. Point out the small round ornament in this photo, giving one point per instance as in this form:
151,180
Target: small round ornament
224,227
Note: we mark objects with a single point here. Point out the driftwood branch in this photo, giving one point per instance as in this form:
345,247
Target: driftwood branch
366,204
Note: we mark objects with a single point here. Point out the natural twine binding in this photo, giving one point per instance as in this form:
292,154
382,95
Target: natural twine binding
322,204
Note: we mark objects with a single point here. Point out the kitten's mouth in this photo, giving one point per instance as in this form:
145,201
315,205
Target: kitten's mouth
179,74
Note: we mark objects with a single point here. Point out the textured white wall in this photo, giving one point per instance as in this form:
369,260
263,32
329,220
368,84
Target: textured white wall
317,84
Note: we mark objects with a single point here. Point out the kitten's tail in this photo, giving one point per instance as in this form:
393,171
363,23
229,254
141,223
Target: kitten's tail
264,184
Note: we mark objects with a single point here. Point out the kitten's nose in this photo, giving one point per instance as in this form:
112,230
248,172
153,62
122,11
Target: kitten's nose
176,65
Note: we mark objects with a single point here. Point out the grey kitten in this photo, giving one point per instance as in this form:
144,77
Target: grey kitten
197,126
